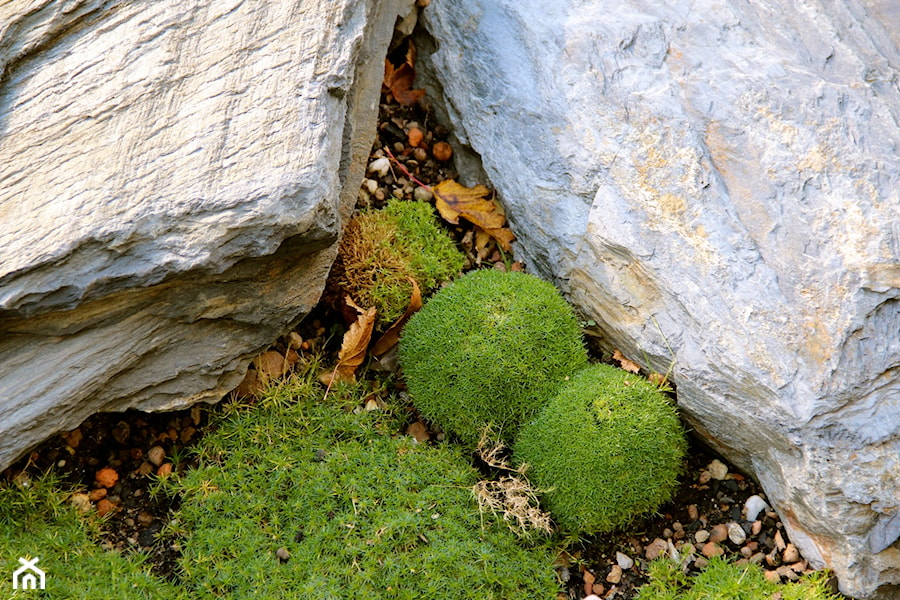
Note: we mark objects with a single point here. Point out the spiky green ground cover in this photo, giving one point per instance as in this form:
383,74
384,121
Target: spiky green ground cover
362,511
724,580
36,521
607,448
490,349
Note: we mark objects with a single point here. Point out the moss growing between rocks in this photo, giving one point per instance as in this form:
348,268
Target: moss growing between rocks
724,580
607,448
490,349
37,521
381,249
357,511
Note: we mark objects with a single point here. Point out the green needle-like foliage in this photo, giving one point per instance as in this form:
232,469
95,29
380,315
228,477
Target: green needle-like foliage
362,512
490,349
607,448
725,580
37,521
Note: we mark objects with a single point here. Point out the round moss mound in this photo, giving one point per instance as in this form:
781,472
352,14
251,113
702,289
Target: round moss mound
607,448
490,349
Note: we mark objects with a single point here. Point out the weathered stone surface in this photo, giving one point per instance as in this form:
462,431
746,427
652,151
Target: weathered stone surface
171,188
717,185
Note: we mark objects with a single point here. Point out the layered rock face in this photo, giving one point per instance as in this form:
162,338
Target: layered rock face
717,185
171,189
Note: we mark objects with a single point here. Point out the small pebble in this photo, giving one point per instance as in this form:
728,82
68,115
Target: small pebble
717,469
736,534
711,549
655,548
791,554
756,528
156,455
779,541
719,533
588,582
667,533
787,572
624,561
164,470
615,574
104,507
753,506
422,194
81,502
701,563
283,554
705,476
380,166
592,597
772,577
701,536
693,513
107,477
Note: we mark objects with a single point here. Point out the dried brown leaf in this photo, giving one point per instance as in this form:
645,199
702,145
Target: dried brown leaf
476,205
398,79
392,335
353,348
628,365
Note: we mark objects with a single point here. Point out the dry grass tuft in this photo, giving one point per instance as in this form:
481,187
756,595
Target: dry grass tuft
512,496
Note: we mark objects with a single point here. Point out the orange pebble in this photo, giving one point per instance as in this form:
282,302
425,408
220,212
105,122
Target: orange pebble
415,136
442,151
107,477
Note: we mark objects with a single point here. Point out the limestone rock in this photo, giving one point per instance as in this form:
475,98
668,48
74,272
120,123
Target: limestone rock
172,184
717,186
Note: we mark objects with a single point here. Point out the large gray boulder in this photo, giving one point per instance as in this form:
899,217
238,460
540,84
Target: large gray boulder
717,185
173,178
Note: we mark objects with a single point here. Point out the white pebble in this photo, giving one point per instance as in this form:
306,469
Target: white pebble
422,195
718,469
753,506
624,561
592,597
371,185
736,534
380,166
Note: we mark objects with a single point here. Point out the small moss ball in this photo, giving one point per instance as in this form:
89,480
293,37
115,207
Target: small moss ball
490,349
606,449
383,250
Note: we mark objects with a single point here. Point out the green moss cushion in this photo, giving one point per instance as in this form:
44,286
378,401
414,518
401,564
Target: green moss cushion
607,448
490,349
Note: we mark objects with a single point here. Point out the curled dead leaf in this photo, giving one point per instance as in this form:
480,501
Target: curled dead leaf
353,348
392,335
398,79
628,365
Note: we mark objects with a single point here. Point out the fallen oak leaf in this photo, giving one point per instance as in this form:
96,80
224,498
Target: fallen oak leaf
392,335
353,348
628,365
